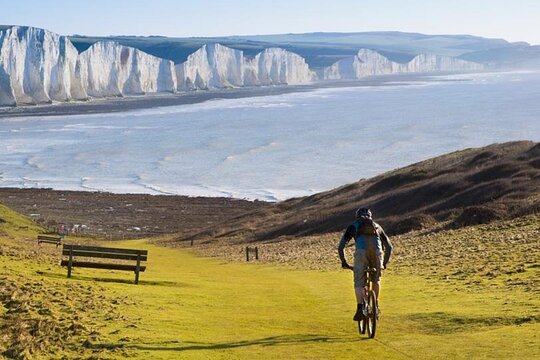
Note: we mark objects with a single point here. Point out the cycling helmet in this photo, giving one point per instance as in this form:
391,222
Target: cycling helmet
363,213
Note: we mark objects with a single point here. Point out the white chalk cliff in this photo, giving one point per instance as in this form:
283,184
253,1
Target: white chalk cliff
213,66
369,63
36,67
110,69
216,66
275,66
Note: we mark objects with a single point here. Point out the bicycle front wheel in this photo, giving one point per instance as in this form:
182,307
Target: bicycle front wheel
362,324
372,315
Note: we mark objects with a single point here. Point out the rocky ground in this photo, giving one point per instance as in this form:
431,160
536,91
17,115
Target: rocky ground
118,216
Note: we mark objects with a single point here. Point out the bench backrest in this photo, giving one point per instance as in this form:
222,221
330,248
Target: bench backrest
104,252
49,237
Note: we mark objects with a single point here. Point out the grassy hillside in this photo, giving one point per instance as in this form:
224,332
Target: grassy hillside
188,306
517,56
319,49
462,188
13,224
177,50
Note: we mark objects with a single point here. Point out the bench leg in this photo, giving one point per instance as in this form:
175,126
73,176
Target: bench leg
137,269
70,262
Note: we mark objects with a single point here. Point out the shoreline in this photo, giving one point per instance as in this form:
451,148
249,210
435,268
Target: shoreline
32,113
130,103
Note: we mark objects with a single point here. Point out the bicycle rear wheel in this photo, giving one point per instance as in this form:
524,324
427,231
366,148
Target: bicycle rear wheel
371,315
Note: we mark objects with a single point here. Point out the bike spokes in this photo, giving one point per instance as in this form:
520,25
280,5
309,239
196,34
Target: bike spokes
371,314
362,324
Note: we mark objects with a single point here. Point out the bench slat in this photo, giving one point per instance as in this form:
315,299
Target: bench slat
49,237
105,249
50,241
94,265
104,255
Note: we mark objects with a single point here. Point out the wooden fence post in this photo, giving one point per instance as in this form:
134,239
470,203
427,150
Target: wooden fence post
252,250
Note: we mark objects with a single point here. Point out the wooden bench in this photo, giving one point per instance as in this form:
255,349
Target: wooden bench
50,239
79,251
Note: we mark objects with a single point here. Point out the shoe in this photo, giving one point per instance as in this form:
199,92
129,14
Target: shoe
358,315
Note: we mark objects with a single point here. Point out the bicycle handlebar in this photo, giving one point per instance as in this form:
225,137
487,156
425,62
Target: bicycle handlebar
371,270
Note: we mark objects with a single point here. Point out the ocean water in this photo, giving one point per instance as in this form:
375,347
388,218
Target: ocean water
274,147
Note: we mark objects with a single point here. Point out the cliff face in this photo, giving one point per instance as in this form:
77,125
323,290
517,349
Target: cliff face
436,63
275,66
216,66
36,67
212,66
369,63
110,69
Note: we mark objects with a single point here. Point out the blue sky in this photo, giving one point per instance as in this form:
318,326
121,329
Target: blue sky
515,20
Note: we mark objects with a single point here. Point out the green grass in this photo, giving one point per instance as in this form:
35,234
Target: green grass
187,306
13,224
193,307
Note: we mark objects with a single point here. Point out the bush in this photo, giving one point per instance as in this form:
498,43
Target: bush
415,222
476,215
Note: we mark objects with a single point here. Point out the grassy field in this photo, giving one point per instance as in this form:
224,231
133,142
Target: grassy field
187,306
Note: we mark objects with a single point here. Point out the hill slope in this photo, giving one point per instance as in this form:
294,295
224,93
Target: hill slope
461,188
192,307
319,49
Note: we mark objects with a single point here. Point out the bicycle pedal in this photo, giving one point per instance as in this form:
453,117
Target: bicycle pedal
365,312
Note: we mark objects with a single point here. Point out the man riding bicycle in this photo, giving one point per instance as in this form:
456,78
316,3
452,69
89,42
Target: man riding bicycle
370,242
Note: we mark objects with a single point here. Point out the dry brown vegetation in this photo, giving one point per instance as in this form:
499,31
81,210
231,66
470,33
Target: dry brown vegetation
468,187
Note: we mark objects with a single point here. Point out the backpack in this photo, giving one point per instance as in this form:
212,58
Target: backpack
367,227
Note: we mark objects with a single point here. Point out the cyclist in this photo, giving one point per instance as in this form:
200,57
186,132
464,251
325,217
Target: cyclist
370,242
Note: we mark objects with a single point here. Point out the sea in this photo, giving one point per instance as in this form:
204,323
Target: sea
272,147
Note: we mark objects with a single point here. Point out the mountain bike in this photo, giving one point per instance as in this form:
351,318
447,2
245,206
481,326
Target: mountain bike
370,311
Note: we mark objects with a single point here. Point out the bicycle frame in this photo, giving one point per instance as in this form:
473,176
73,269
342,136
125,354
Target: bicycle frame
368,321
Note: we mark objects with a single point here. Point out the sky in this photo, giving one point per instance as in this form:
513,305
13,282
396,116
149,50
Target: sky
513,20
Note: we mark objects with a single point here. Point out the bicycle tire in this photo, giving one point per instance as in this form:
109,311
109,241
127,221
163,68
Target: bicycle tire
372,315
362,325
